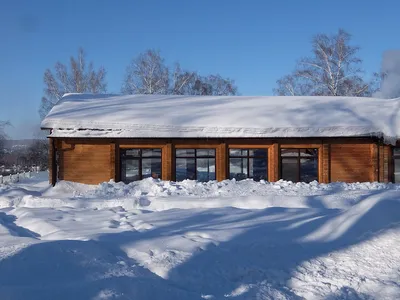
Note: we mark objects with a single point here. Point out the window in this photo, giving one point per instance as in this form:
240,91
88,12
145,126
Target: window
299,165
137,164
248,163
195,164
396,165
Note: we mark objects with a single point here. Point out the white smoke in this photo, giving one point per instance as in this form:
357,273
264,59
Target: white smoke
390,85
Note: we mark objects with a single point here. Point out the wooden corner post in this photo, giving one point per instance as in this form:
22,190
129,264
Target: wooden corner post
222,162
52,162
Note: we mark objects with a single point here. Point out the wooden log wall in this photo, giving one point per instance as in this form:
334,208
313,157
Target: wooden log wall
351,163
87,162
349,160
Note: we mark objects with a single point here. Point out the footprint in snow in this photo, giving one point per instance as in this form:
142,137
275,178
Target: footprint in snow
125,225
121,223
113,224
200,237
139,225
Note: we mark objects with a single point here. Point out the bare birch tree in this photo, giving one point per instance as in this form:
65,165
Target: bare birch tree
78,78
148,74
183,82
215,85
333,69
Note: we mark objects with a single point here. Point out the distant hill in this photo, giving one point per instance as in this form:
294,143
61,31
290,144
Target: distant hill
9,144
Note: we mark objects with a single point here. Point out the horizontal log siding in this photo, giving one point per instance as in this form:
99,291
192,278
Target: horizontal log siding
112,161
86,163
166,160
351,163
374,162
385,164
381,166
117,162
52,166
350,160
222,162
325,157
273,162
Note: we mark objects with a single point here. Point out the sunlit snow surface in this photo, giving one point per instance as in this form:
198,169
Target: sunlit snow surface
165,240
146,116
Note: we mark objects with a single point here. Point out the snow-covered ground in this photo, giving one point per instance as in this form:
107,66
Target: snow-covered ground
165,240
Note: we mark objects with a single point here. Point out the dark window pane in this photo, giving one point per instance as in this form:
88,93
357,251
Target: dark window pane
151,167
299,164
130,170
185,152
397,177
258,152
396,151
245,171
238,168
189,167
308,169
205,169
235,167
137,164
258,168
308,152
132,152
397,170
212,174
237,152
290,169
185,169
290,152
206,152
242,165
151,152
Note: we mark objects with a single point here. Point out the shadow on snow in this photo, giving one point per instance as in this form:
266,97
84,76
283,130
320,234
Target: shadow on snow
265,254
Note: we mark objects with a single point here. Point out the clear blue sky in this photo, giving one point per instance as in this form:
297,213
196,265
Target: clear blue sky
253,42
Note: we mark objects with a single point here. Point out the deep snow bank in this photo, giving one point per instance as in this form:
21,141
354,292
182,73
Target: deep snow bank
158,195
73,250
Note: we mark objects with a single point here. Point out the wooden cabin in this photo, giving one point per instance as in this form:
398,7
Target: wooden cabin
96,138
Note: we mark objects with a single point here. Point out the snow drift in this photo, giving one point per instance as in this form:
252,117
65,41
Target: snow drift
157,195
155,239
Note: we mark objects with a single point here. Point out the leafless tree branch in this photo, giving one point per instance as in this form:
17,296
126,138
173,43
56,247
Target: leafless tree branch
76,79
148,74
332,70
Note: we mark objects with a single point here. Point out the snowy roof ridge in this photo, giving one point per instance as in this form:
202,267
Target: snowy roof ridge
223,116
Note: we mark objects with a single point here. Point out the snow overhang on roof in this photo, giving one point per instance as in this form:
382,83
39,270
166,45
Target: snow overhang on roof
172,116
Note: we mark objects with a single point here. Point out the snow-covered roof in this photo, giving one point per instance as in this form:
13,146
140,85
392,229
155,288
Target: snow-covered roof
169,116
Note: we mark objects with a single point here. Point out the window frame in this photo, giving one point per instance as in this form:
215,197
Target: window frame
140,160
297,158
393,164
248,157
195,157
